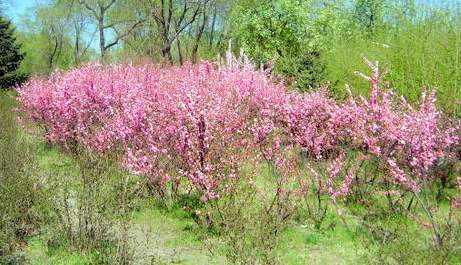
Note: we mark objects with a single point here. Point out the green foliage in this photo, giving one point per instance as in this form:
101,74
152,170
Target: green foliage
368,14
279,31
269,29
303,71
38,48
47,40
420,50
21,189
10,55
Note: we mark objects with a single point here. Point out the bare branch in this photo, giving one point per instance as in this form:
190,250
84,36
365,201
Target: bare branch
113,24
181,29
92,10
170,14
109,5
122,36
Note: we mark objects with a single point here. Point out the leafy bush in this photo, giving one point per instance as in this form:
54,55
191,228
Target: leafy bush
21,188
305,71
13,79
277,34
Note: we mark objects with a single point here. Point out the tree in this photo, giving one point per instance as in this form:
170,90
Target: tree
172,18
80,28
46,39
268,29
10,55
100,11
279,34
177,30
199,33
53,23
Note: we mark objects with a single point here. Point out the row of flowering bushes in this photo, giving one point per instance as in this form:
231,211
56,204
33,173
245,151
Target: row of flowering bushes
202,122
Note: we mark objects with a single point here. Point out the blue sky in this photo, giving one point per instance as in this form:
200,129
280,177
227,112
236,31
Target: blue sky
15,8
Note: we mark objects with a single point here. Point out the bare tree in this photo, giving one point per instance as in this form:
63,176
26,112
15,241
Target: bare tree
53,24
99,11
217,28
166,13
80,25
213,23
56,37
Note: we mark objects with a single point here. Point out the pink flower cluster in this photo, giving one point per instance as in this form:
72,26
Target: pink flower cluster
202,121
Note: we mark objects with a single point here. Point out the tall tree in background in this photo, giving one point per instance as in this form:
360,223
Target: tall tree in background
172,18
199,31
10,55
80,25
54,23
47,38
100,11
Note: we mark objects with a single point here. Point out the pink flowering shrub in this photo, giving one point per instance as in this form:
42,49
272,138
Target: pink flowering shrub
195,122
202,122
409,142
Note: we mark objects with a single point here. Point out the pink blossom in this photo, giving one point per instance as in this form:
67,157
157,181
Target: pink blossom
202,122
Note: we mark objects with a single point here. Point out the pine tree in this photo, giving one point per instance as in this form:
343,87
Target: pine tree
10,55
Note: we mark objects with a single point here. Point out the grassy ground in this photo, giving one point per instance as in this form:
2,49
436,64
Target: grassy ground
172,237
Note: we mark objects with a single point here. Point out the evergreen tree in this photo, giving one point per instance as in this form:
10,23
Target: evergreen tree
10,55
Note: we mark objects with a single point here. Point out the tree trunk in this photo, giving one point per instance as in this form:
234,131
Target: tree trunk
102,41
52,56
166,53
213,25
77,47
198,37
181,61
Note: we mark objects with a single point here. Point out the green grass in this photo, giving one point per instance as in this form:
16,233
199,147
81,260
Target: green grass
38,253
170,238
171,235
308,246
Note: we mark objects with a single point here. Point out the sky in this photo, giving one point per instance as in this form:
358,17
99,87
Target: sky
15,8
